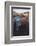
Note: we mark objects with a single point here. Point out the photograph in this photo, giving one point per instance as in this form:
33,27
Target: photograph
20,21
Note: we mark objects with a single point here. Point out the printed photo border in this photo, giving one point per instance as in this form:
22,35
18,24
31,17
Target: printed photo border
7,22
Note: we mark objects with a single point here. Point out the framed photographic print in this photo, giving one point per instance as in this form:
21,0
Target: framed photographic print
19,22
